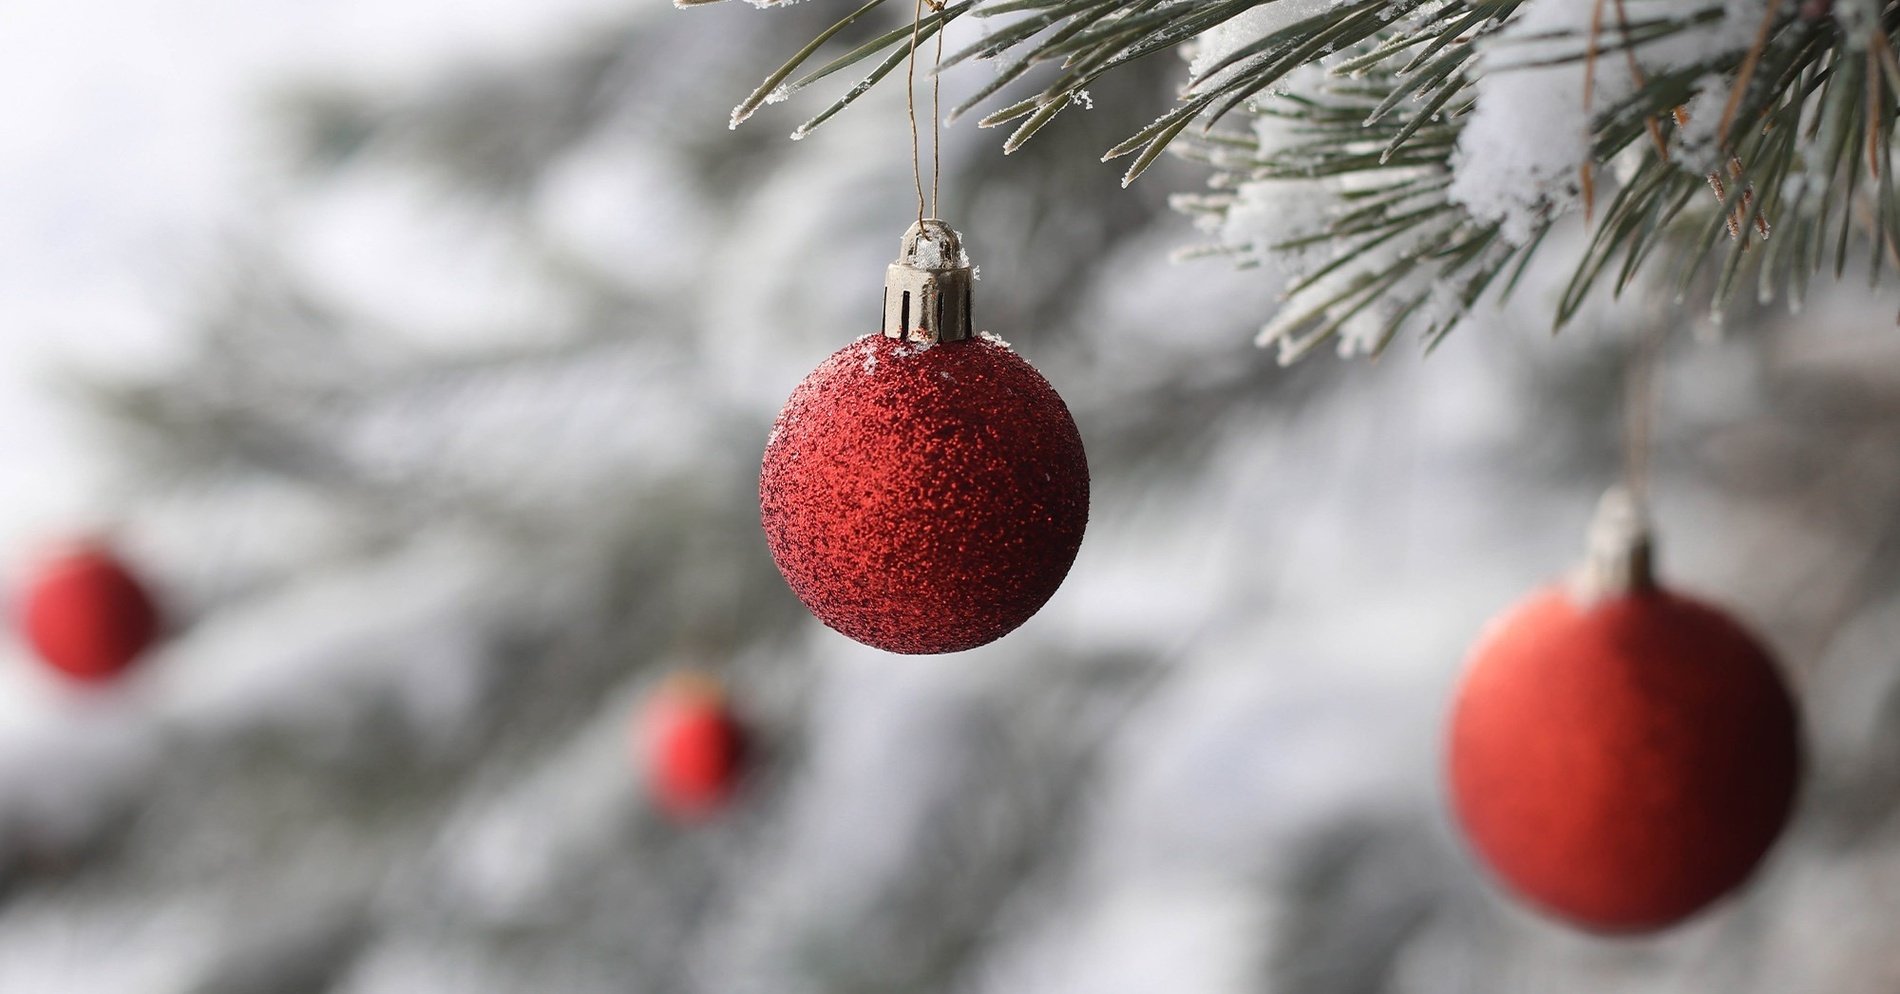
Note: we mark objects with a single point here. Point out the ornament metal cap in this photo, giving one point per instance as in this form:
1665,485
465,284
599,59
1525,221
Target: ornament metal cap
1620,559
927,290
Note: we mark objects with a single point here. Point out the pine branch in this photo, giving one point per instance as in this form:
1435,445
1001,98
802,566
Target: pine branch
1801,151
1783,167
1083,40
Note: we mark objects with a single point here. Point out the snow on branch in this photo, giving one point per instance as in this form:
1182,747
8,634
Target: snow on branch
1403,159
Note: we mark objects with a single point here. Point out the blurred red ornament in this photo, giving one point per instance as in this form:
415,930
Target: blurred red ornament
87,615
693,747
1622,758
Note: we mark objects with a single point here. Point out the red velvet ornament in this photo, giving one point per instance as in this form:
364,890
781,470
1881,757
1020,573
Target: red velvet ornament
87,615
692,746
1623,762
924,498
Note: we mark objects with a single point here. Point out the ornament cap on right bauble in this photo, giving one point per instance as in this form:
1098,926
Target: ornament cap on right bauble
1619,755
1620,558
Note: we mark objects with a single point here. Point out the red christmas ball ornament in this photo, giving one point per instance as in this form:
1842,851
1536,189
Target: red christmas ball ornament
1621,756
925,489
693,747
87,615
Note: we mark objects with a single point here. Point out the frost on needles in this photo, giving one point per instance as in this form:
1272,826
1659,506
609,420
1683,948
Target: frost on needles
1396,183
1397,162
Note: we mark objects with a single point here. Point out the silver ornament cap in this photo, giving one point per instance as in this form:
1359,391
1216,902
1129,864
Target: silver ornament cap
927,290
1620,557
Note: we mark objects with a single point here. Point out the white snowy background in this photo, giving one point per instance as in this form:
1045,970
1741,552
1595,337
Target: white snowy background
442,545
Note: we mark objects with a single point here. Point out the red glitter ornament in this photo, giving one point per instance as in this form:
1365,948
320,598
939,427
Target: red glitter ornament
86,615
925,495
924,498
1623,758
692,746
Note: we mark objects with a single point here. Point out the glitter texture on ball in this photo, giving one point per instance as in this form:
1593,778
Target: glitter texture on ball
924,498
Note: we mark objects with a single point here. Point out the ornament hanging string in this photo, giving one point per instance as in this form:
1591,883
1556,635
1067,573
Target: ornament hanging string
936,114
1639,412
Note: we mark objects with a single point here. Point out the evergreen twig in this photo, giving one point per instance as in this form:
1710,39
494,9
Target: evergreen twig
1803,141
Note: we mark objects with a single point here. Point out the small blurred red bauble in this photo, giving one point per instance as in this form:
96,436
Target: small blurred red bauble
1622,762
924,498
87,615
692,746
